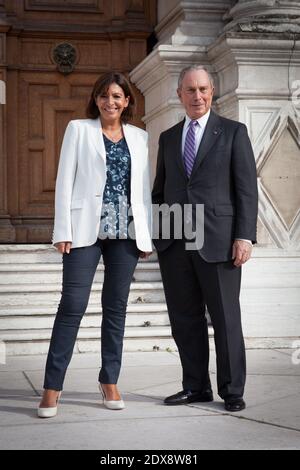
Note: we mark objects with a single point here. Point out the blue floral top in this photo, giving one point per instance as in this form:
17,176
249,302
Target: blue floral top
116,194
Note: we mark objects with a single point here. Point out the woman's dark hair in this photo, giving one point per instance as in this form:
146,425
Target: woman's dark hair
102,85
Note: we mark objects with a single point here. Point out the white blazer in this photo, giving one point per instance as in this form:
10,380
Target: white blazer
81,180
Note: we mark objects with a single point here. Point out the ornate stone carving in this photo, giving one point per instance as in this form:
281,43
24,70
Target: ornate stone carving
65,56
276,146
275,16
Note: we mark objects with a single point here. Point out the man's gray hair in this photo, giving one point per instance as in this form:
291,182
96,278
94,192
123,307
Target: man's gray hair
189,69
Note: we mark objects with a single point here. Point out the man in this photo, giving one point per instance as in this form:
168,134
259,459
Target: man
207,159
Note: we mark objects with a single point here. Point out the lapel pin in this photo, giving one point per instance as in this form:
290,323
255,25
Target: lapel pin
215,132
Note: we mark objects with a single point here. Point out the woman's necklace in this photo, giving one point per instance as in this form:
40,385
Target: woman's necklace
114,137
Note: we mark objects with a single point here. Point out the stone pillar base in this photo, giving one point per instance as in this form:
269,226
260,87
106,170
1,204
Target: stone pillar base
7,231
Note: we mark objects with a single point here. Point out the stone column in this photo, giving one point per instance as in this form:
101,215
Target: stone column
253,50
7,233
257,60
184,31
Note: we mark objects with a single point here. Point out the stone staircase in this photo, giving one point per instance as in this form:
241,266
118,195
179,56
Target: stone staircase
30,286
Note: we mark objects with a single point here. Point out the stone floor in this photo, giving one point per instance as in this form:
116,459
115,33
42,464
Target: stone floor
270,421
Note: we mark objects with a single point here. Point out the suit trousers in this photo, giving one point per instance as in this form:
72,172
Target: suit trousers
190,285
120,258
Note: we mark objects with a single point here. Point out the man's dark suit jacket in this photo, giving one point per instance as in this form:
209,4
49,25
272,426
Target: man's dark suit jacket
223,179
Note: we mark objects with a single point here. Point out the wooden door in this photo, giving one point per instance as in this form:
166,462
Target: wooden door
43,94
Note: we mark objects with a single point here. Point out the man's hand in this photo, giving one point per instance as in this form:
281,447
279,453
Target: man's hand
241,252
63,247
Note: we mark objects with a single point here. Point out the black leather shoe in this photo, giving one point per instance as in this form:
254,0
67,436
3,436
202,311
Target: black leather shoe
189,396
234,404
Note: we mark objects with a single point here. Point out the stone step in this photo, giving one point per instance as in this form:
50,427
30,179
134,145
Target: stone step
49,294
256,272
51,273
34,319
44,288
140,292
148,314
154,338
14,347
45,321
39,253
12,275
27,253
137,308
88,321
27,348
84,333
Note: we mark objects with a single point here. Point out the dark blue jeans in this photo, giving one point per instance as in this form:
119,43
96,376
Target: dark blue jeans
120,259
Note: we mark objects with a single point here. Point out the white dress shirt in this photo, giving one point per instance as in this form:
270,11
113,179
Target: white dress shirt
199,130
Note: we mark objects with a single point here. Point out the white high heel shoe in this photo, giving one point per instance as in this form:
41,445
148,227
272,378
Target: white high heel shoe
111,404
49,412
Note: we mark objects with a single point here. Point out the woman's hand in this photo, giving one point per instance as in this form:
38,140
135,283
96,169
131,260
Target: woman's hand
63,247
145,254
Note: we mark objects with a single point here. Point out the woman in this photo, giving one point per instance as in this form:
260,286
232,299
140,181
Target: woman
103,176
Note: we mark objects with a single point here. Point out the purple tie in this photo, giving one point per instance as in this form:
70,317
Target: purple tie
189,153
